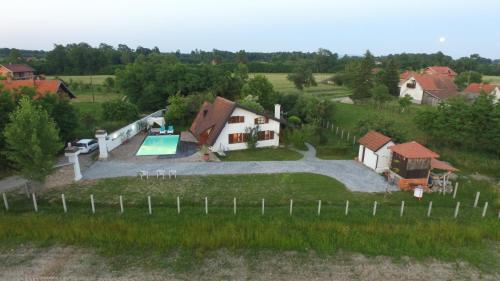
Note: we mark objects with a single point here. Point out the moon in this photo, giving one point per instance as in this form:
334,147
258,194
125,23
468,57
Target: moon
442,39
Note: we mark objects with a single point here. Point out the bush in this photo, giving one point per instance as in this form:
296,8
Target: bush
294,121
119,111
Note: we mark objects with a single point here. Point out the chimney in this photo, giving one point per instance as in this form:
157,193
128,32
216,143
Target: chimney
277,111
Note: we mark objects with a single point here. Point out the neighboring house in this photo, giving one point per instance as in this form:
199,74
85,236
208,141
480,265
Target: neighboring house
42,87
374,152
17,71
223,126
441,70
428,88
411,164
474,89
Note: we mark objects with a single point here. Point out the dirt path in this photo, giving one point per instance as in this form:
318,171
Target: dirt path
70,263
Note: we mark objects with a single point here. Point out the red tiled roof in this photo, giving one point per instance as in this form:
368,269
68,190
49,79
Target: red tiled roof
42,87
476,88
443,70
413,150
441,86
440,165
18,67
405,75
212,118
374,140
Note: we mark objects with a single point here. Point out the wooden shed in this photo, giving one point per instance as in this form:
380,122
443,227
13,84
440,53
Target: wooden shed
411,164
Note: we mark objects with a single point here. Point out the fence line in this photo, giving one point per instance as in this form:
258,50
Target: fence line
482,212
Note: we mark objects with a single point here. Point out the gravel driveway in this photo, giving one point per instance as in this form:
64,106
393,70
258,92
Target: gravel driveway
352,174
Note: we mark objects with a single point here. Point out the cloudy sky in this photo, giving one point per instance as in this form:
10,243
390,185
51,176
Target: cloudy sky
346,27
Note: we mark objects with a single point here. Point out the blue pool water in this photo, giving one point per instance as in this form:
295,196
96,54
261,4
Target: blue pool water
159,145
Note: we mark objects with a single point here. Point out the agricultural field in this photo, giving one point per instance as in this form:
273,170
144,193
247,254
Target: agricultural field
96,79
323,90
492,79
194,235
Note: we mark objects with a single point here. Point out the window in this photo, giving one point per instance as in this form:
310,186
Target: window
236,119
261,120
412,84
238,138
265,135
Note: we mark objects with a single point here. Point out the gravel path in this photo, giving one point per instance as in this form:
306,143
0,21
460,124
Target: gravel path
352,174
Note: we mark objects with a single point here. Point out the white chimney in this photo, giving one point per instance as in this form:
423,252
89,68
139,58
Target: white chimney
277,111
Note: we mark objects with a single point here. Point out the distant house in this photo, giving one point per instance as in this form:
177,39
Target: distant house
428,88
474,89
374,152
441,70
223,126
42,87
411,164
17,71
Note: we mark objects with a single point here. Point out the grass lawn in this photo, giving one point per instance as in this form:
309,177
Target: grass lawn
96,79
262,154
492,79
469,237
281,84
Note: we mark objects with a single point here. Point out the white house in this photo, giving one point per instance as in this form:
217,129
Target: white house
428,88
374,152
474,89
224,125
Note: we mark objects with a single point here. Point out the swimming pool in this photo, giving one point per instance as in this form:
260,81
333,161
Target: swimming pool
159,145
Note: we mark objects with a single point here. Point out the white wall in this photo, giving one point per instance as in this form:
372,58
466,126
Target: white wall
379,160
222,142
496,94
417,93
119,136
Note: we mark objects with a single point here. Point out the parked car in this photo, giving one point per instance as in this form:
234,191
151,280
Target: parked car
87,145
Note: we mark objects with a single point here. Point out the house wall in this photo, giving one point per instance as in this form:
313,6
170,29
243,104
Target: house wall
496,94
370,159
430,100
222,142
360,153
384,158
416,93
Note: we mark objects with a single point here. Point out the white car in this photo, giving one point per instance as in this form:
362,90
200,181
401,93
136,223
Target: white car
87,145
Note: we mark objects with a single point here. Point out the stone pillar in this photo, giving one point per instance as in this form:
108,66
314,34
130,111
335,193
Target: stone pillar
72,154
103,145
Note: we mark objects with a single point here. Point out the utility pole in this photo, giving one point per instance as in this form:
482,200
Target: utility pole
92,89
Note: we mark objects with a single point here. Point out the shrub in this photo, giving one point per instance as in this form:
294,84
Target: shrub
119,111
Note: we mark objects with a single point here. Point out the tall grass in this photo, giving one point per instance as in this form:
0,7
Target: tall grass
469,237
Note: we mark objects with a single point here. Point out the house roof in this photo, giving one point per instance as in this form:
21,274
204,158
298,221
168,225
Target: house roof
18,67
374,140
42,87
413,150
476,88
443,70
440,86
405,75
213,117
440,165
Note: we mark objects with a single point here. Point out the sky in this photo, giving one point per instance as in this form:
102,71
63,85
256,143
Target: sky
455,27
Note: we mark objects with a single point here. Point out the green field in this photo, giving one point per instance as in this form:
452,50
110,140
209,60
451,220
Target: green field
262,154
468,238
96,79
492,79
281,84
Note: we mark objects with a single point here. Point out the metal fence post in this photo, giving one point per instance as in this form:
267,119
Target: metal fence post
429,210
456,209
484,209
92,203
455,191
477,199
319,207
346,207
291,206
35,205
64,203
121,204
5,202
263,206
402,208
149,205
374,208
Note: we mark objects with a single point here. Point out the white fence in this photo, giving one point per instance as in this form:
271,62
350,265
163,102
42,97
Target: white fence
119,136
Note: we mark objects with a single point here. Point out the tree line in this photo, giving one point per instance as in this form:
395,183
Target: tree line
82,58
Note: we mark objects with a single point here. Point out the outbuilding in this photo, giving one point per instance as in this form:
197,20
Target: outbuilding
374,152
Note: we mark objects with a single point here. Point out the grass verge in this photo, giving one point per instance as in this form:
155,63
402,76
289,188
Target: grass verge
262,154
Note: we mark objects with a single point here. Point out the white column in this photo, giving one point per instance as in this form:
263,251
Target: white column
103,146
72,154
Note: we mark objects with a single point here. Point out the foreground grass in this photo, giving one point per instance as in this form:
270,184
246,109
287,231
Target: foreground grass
262,154
469,237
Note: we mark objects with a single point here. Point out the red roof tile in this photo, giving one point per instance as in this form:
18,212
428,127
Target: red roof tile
374,140
212,118
42,87
476,88
413,150
440,165
441,86
443,70
18,67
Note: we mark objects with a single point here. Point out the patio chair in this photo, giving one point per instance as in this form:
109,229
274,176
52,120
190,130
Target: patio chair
170,130
160,172
162,130
144,173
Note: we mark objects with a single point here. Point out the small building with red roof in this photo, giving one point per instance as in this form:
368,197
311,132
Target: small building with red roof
17,71
475,89
373,151
223,125
428,88
41,86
